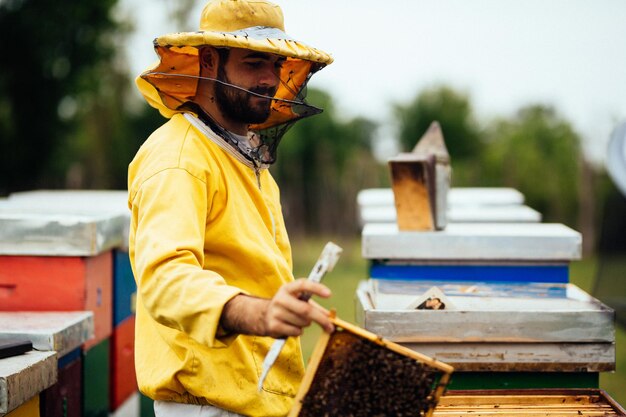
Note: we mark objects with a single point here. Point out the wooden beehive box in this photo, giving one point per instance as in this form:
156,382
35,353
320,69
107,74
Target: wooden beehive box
457,196
529,403
474,242
458,214
504,327
351,372
98,204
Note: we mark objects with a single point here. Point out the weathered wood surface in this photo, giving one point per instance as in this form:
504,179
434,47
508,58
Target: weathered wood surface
57,331
43,232
24,376
522,357
80,202
548,402
473,196
458,214
474,241
577,318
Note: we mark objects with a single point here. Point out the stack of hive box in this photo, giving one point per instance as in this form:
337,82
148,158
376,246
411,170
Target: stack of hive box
64,251
465,205
46,373
511,319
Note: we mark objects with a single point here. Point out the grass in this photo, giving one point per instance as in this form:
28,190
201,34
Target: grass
342,280
352,268
583,273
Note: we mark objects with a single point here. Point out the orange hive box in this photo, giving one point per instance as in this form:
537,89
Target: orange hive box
40,283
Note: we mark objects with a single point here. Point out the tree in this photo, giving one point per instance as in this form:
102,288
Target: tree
322,164
452,110
50,51
538,153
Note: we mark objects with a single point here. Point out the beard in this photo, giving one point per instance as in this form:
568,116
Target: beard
239,105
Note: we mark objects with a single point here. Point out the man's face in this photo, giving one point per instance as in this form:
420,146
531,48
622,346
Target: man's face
254,71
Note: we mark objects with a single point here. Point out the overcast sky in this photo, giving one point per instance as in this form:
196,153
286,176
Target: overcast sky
503,53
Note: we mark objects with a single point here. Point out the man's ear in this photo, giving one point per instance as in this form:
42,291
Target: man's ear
209,59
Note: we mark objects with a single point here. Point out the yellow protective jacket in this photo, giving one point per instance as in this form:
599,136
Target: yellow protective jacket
206,226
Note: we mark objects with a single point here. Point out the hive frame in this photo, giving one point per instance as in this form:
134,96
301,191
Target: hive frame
322,343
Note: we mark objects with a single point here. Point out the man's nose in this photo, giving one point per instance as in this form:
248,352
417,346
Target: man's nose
268,77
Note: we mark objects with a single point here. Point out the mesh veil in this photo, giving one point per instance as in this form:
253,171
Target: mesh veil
176,80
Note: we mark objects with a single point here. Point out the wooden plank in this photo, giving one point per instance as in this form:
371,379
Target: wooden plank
458,214
534,407
515,327
307,380
525,413
25,376
59,331
474,241
472,196
533,402
509,399
577,318
522,357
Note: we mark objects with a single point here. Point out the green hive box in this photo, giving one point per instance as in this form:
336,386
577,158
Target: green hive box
96,380
146,406
510,380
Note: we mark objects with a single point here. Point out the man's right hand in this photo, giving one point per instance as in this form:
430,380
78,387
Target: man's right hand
283,315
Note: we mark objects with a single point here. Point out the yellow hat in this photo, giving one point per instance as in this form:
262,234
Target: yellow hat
254,25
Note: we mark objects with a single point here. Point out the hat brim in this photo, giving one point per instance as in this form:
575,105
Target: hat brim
258,38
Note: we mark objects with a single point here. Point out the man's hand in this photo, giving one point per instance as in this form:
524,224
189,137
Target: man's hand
284,315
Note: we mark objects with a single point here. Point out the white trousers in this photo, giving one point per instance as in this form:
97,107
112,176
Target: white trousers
172,409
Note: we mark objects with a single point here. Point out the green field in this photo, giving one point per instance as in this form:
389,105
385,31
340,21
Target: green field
352,268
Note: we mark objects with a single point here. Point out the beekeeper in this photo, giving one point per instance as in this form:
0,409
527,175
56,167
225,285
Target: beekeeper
208,244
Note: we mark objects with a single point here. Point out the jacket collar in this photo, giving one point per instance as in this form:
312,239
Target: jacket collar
235,152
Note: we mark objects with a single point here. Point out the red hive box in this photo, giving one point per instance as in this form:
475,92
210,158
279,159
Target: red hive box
47,283
123,380
64,397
